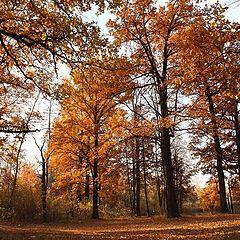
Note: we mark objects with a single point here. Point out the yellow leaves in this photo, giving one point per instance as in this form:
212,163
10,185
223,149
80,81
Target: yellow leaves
209,199
28,178
30,74
141,129
132,20
90,123
167,122
178,81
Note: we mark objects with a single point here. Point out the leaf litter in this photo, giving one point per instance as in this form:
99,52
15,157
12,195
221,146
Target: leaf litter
204,227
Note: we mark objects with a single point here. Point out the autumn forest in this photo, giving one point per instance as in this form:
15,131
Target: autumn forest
119,123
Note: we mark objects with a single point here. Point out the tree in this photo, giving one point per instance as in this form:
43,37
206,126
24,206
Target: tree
90,122
206,48
35,36
21,138
209,196
150,37
138,131
183,170
27,199
45,156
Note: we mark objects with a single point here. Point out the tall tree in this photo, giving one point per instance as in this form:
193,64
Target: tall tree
45,156
90,120
150,38
205,48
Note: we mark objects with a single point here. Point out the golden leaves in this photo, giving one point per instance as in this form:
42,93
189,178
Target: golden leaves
90,121
208,196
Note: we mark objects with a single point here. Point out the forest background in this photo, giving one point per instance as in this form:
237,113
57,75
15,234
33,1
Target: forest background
111,136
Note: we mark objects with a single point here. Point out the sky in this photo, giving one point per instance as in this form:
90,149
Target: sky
233,13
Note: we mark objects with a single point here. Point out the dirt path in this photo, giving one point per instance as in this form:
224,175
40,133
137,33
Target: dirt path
214,227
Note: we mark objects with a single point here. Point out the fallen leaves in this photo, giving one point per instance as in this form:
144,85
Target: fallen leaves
214,227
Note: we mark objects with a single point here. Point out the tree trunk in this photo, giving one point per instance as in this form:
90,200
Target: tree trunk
87,178
172,209
159,194
95,214
218,150
145,181
129,184
44,190
230,199
237,129
157,179
134,184
138,178
14,184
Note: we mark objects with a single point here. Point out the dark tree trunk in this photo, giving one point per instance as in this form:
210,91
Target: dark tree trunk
87,192
146,194
14,184
178,180
138,179
158,185
44,190
145,181
95,214
222,188
133,176
219,155
134,184
237,129
159,194
44,183
172,209
230,199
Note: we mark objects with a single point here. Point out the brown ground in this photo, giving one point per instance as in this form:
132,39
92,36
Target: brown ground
212,227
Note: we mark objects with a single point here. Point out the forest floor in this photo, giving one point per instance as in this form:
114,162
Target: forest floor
214,227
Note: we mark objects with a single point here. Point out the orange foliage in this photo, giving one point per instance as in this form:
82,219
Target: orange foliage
208,196
89,127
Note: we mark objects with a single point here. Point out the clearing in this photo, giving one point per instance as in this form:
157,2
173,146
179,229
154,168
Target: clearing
214,227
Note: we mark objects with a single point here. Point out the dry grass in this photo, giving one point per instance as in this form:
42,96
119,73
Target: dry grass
212,227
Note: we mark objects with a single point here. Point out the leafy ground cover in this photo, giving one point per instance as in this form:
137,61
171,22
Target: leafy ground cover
214,227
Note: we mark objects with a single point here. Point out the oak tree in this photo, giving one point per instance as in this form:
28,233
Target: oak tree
149,35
